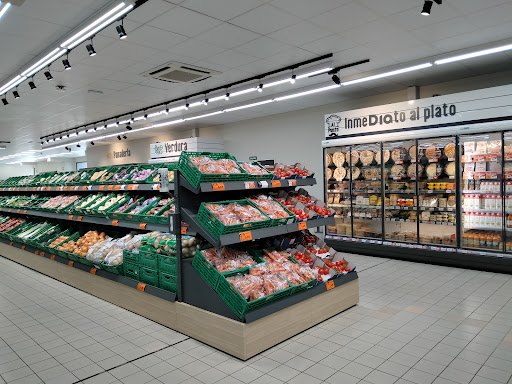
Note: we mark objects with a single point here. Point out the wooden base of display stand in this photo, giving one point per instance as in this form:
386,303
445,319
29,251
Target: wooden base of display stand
239,339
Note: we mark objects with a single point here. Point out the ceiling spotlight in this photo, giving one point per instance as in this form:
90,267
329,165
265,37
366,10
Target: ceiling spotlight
227,96
128,128
78,145
186,106
120,30
124,137
92,142
205,101
87,130
42,143
427,7
90,49
67,148
47,140
16,94
66,64
105,126
68,135
117,123
145,116
60,138
118,137
336,79
292,79
260,88
54,139
4,100
166,111
31,84
48,74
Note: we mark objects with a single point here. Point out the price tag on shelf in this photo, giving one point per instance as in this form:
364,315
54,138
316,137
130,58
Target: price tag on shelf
101,188
245,236
70,217
431,209
114,222
263,184
52,257
443,249
84,187
122,187
133,187
156,187
402,220
10,209
65,188
10,243
184,230
292,183
141,287
110,187
142,225
36,251
93,270
218,187
329,285
25,212
463,251
79,218
26,188
22,247
18,211
70,263
276,183
250,185
42,254
302,225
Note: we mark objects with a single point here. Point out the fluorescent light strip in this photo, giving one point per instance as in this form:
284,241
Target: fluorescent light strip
474,54
100,27
162,124
217,98
13,85
242,92
323,70
386,74
10,83
67,43
47,62
249,105
4,9
43,60
201,116
276,83
322,89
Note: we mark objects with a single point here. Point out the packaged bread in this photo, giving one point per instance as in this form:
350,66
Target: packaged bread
328,159
433,170
469,147
399,154
433,152
449,150
412,153
481,147
386,156
339,173
494,146
354,157
356,172
450,168
338,158
366,157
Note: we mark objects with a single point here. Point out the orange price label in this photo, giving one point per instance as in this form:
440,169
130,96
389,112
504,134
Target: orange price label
25,212
33,188
22,247
218,186
133,187
141,287
18,188
142,225
42,254
84,188
117,187
36,251
329,285
276,183
52,257
93,271
110,187
245,236
10,243
70,263
79,218
10,209
70,217
65,188
102,188
114,222
183,230
18,211
26,188
303,225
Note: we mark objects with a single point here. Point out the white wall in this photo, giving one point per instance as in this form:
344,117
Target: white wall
7,170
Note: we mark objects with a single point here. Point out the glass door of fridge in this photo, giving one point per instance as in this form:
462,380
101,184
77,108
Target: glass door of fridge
400,203
437,191
507,179
337,181
366,190
482,225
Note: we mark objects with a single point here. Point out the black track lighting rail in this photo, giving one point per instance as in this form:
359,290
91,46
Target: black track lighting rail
204,93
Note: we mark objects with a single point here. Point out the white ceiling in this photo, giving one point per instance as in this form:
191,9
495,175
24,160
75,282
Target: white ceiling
239,38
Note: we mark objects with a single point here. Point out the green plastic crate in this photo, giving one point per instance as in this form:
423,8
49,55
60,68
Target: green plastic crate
131,270
130,257
250,176
281,220
148,260
97,181
149,276
148,179
168,282
196,177
238,304
118,269
167,264
216,228
139,216
129,169
155,219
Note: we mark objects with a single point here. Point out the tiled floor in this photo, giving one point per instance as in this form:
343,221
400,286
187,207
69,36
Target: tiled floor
416,323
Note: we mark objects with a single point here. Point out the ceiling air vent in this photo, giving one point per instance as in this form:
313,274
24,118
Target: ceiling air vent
174,72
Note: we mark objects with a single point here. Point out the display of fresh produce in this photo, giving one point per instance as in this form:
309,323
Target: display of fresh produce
268,205
158,207
109,201
82,245
208,165
234,213
59,202
96,175
138,207
142,174
170,175
226,259
253,169
121,174
57,241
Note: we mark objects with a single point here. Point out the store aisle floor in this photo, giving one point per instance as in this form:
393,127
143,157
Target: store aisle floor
416,323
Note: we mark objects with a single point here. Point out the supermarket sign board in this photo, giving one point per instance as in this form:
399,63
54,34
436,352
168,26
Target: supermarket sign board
489,103
173,149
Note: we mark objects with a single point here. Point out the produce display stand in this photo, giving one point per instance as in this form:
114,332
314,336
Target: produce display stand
196,309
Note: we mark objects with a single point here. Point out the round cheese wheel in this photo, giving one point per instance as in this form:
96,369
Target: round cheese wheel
433,152
366,157
449,150
386,156
329,173
328,159
399,154
338,159
450,168
340,173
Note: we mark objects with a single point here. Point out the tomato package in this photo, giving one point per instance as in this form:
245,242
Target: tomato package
234,213
226,259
